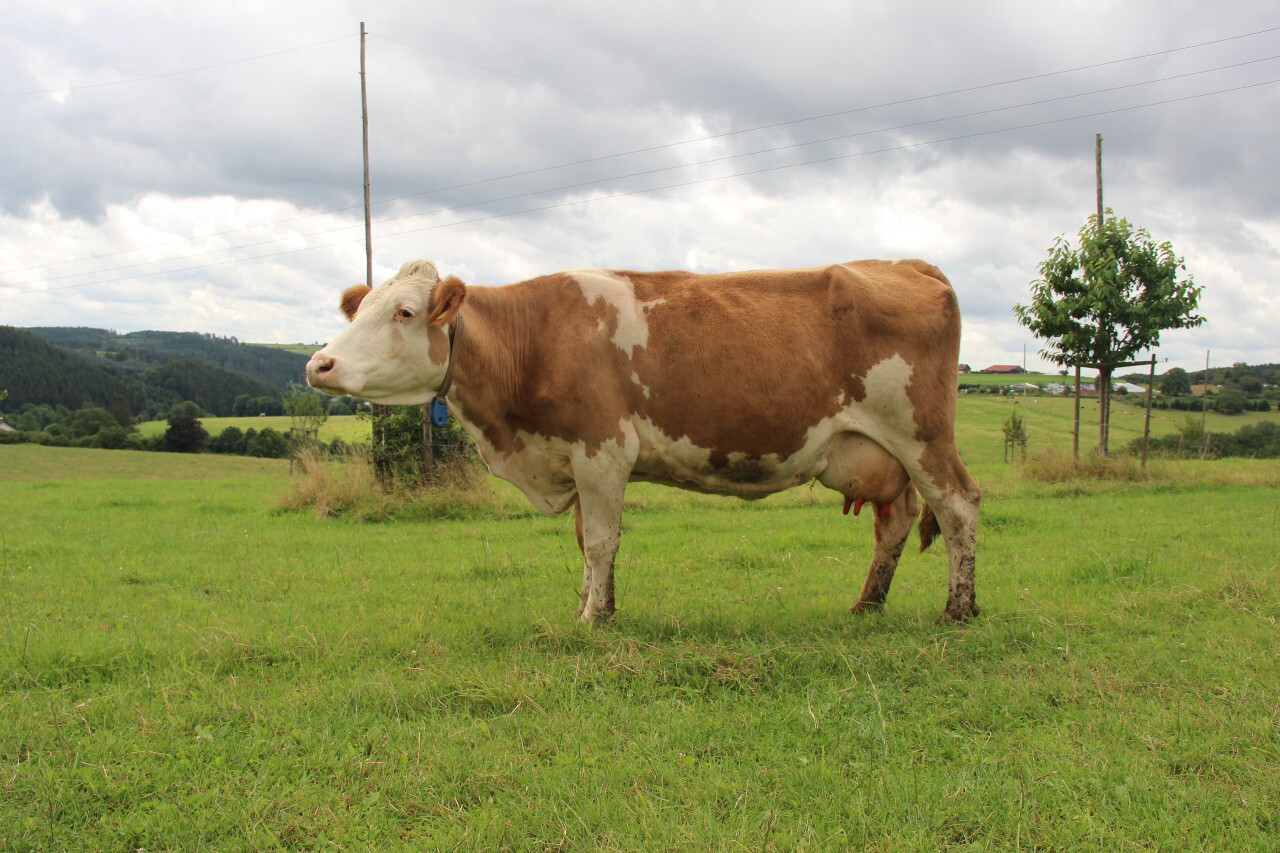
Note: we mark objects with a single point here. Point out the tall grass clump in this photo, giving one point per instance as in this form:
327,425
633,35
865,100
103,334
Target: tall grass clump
345,485
1053,466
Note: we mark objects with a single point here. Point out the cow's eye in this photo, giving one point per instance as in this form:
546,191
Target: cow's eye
406,313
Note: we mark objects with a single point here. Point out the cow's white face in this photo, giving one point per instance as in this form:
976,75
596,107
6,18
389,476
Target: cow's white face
397,347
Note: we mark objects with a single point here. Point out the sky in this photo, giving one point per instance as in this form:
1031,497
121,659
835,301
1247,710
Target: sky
198,167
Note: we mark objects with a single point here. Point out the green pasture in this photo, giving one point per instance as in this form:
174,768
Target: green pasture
349,428
186,666
1049,423
1040,379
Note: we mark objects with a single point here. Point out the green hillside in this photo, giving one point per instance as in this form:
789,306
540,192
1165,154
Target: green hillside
149,371
140,350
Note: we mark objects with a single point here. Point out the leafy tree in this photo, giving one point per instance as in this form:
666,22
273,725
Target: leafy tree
185,434
230,440
118,406
1108,299
305,408
1231,401
1175,383
112,437
267,443
185,409
91,420
341,406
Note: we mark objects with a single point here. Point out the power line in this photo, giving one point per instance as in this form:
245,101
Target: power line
679,185
642,173
647,149
537,81
172,73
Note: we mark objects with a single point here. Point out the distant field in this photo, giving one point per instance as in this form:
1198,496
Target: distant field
300,349
1049,420
185,666
347,427
1013,378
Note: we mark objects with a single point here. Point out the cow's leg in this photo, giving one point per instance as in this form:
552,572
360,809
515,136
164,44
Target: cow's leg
586,567
954,497
600,492
892,528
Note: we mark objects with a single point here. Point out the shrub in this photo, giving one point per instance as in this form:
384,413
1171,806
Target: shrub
111,438
267,444
230,440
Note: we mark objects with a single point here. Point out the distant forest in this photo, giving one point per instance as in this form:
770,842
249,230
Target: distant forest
147,372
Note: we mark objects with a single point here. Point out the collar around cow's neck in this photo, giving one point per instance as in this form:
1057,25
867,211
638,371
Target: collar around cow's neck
455,346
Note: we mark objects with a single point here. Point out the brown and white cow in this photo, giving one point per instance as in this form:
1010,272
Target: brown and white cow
745,384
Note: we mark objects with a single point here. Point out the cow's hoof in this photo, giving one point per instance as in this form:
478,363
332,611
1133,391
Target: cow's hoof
589,616
868,605
960,611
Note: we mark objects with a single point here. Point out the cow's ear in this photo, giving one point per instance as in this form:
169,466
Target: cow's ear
351,299
446,300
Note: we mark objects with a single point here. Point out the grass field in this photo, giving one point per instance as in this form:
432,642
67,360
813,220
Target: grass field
186,666
349,428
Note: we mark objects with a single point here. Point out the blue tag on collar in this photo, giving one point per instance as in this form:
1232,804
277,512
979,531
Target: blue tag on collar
439,412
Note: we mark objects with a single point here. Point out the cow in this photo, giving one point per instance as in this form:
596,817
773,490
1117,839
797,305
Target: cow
742,383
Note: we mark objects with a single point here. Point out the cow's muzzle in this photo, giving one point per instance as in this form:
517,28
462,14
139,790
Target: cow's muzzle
322,373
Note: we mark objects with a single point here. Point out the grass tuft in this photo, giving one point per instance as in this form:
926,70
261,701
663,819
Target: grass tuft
346,486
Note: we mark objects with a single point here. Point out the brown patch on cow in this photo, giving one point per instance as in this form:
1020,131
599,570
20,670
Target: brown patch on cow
351,299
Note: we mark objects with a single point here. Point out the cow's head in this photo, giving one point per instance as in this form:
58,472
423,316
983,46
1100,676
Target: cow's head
396,348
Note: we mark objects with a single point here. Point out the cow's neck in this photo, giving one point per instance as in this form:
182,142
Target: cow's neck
490,382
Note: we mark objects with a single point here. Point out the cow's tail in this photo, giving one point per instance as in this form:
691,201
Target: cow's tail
929,528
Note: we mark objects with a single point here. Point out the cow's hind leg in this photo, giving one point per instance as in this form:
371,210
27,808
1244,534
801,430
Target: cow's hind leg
599,505
893,522
586,569
954,497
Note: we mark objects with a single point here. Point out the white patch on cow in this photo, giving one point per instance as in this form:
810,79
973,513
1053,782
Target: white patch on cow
632,326
635,377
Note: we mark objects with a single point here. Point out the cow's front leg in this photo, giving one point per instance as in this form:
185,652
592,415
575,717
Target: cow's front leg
600,492
893,523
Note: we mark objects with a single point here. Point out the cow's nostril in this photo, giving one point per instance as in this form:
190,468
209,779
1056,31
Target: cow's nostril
324,366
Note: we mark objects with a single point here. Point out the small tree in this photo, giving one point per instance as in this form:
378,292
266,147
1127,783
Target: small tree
1107,299
1175,383
185,433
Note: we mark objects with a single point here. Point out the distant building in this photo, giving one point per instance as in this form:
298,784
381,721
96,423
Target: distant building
4,427
964,368
1002,368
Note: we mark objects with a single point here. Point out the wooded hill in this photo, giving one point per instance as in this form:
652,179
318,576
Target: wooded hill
150,371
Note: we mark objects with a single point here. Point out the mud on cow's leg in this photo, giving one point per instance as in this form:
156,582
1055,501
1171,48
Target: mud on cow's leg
955,498
600,500
892,526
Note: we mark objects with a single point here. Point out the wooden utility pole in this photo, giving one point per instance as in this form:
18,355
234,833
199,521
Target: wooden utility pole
1075,432
1204,393
1102,383
364,132
377,413
1097,160
1146,427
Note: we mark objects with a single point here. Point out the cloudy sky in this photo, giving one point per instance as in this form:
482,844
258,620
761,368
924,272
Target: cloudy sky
164,166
